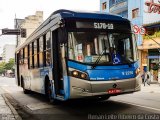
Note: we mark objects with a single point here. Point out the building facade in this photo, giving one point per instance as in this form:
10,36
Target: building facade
142,14
8,52
131,9
139,12
150,48
29,24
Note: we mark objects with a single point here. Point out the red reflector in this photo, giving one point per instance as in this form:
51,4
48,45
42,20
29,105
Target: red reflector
113,91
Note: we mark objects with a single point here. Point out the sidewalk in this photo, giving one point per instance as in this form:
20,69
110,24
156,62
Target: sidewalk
152,88
7,112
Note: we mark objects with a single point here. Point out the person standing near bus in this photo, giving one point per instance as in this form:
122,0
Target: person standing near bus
147,78
143,76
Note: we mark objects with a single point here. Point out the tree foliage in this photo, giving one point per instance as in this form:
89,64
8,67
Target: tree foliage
7,66
10,64
2,67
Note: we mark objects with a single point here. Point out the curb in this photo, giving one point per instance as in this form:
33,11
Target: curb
154,82
16,115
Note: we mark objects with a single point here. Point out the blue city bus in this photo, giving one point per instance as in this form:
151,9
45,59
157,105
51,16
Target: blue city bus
79,55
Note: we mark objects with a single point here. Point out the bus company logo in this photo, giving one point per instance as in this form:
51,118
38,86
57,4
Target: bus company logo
153,7
103,26
127,73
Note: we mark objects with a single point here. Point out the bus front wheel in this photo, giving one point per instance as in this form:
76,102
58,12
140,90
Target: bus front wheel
48,92
102,98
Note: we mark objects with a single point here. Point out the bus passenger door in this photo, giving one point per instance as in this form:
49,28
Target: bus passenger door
57,64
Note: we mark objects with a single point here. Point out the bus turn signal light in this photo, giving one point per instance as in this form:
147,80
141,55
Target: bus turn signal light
83,76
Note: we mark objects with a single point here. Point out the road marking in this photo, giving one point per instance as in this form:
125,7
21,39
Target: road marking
11,89
5,90
137,105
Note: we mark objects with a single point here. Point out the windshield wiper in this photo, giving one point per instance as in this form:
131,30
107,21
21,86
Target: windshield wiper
100,56
97,61
128,61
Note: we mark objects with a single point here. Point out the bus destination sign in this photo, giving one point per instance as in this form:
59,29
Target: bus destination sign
103,25
95,25
99,25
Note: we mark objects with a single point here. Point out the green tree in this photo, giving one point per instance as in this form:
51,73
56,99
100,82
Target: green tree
2,67
10,64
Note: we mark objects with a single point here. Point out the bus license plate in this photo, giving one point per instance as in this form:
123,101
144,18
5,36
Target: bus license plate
114,91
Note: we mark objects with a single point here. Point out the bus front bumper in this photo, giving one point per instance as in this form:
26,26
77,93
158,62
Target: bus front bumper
82,88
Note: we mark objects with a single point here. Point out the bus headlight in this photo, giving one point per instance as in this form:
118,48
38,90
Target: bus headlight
137,71
79,74
75,73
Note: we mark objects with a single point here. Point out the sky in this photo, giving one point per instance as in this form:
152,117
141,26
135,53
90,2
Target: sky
9,9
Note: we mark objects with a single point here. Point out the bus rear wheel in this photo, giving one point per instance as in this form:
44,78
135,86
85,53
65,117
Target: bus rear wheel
23,86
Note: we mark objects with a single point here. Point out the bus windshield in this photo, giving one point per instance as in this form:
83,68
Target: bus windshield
100,47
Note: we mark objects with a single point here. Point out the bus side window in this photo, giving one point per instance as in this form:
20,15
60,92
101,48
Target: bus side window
30,55
48,49
35,54
44,50
26,55
38,52
21,57
41,52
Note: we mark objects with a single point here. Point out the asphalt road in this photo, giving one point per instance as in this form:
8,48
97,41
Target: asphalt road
35,107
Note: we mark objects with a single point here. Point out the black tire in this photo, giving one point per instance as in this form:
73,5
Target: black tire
102,98
48,92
